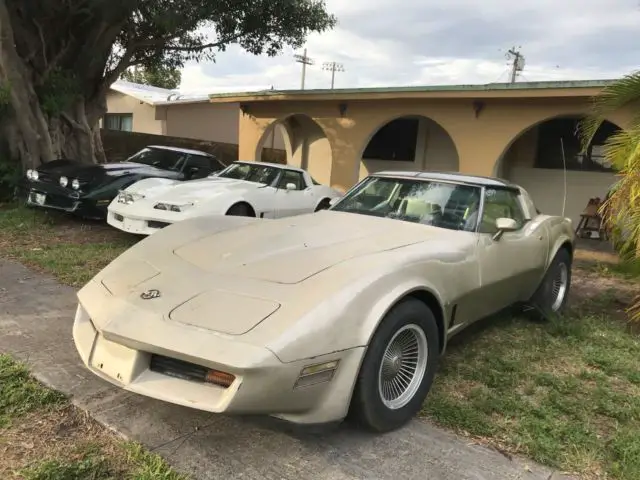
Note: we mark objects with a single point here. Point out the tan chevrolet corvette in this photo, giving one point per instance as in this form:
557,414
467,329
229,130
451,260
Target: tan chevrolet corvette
313,318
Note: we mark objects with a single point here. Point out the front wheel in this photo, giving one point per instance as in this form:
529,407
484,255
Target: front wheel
240,210
323,205
553,293
398,368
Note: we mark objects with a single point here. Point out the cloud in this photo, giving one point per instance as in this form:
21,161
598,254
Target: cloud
392,43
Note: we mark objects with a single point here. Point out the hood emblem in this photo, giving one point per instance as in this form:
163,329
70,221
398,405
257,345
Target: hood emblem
150,294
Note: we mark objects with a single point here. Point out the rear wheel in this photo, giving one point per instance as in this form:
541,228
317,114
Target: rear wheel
323,205
398,368
551,297
240,210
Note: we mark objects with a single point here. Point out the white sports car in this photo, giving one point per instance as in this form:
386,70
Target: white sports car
313,317
248,189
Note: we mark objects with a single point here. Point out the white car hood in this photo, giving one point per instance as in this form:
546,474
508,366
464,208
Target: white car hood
196,190
292,249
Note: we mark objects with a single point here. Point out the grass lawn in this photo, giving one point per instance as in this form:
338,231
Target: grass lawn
43,437
72,251
564,393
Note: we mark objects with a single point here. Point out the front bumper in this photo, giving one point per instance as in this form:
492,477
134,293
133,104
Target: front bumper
123,350
65,201
123,217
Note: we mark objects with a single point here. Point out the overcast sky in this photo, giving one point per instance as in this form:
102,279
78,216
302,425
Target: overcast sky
423,42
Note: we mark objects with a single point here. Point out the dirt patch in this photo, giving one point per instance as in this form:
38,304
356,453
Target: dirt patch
66,434
601,294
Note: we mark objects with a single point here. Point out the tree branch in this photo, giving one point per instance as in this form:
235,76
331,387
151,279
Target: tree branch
164,43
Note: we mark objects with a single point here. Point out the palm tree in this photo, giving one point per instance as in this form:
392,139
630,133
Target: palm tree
621,211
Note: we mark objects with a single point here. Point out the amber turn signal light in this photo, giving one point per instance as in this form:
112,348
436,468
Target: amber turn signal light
221,379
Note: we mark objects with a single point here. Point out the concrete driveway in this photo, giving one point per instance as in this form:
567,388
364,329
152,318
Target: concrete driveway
36,316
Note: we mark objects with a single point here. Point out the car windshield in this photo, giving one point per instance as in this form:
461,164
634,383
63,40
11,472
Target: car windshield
251,173
428,202
160,158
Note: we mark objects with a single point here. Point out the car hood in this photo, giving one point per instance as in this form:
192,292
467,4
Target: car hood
196,190
253,269
81,170
290,250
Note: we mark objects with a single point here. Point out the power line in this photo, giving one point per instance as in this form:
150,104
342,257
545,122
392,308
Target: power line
304,60
333,67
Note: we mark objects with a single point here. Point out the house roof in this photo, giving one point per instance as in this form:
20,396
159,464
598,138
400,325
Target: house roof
162,96
534,89
156,95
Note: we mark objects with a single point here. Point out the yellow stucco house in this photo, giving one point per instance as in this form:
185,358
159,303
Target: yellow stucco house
524,132
140,108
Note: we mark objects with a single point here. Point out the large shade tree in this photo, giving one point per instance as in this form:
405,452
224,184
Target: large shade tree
161,76
622,208
59,57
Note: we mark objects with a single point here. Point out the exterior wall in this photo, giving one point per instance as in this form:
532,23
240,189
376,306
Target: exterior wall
481,136
144,115
207,121
198,121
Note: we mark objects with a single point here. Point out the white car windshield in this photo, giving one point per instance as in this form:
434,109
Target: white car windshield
428,202
251,173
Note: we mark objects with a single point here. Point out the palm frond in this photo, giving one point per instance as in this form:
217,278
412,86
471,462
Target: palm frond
613,97
621,210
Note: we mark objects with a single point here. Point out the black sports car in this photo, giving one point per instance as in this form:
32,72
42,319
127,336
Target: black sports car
88,189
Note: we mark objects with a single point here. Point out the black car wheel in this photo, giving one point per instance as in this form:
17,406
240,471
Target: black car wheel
398,368
550,299
240,210
323,205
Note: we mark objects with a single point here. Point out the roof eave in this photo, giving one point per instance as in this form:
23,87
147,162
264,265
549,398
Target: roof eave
586,88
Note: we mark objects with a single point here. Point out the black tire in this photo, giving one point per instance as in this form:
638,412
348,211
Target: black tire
240,210
367,406
323,205
546,300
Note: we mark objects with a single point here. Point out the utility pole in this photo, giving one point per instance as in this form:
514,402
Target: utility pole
517,64
304,60
333,67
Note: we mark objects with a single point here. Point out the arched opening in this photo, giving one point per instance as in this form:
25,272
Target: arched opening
410,142
304,145
272,147
536,159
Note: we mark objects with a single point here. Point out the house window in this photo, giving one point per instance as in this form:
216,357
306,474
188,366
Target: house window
395,141
119,121
550,147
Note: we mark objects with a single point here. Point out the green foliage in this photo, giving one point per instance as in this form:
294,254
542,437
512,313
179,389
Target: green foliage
167,33
91,467
58,92
10,174
5,92
622,209
160,76
20,393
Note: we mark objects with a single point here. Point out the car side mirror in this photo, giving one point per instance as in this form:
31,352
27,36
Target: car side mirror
290,186
505,225
333,201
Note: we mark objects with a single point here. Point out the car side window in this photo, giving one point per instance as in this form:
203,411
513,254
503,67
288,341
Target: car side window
290,176
500,203
200,162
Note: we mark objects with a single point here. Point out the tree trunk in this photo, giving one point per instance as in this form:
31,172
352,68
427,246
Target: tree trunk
33,136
